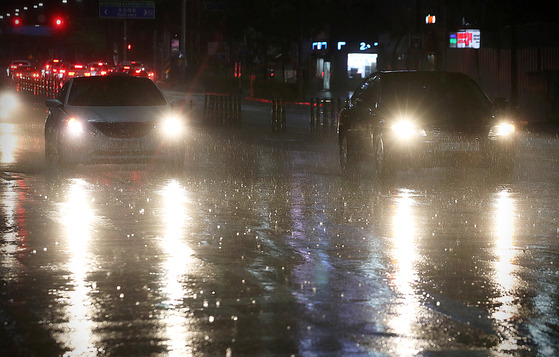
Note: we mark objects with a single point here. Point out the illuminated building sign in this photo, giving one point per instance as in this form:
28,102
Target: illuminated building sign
465,39
357,46
317,46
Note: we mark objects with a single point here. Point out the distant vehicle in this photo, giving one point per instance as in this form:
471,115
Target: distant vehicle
100,68
18,66
407,119
112,119
135,68
76,70
25,72
53,69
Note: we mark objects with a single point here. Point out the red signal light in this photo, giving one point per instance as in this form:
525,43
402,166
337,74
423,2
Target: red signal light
17,21
58,22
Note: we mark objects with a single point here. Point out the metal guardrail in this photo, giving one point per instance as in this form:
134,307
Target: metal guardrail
38,86
222,110
278,116
324,112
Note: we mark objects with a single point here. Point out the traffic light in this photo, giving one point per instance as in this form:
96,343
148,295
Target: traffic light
58,22
17,21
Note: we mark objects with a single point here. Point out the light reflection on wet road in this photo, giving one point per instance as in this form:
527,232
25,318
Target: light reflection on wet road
261,247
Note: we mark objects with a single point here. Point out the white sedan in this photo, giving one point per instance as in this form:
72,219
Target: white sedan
112,119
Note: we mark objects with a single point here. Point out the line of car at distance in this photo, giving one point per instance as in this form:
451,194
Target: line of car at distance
58,69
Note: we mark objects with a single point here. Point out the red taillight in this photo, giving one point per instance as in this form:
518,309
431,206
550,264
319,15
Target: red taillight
103,73
87,74
126,67
78,66
71,74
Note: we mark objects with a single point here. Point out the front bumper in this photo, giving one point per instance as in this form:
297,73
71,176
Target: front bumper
92,148
448,150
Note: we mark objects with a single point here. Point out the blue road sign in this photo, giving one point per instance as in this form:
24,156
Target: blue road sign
127,9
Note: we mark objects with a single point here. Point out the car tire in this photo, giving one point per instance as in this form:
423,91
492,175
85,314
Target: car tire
382,165
54,157
51,155
349,160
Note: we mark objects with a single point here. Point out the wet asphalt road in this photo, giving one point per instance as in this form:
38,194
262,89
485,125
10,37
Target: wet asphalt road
260,247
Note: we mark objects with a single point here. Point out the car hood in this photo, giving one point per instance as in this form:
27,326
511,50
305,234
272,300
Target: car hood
119,114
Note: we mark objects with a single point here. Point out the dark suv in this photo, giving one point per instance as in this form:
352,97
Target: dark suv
405,119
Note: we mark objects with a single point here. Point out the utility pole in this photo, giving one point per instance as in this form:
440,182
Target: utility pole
125,44
183,40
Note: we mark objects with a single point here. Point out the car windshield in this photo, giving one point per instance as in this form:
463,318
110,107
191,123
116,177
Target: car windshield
433,92
115,91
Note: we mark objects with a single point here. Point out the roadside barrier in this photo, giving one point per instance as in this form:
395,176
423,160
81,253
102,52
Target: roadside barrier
222,110
278,115
324,112
41,86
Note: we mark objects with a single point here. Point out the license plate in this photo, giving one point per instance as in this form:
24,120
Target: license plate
458,146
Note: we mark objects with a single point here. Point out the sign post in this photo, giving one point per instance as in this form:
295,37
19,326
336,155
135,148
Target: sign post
123,10
110,9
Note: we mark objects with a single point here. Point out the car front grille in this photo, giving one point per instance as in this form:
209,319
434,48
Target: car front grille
125,130
451,141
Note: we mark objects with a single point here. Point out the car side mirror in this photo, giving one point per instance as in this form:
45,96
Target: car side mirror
53,103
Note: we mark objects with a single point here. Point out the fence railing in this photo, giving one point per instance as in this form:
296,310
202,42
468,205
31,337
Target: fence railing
38,86
278,115
222,110
324,112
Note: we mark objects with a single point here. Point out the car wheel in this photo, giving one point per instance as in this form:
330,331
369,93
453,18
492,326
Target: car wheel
349,161
51,153
54,155
383,167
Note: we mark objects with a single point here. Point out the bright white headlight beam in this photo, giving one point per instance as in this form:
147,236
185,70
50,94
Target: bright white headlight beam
504,129
75,127
404,129
172,126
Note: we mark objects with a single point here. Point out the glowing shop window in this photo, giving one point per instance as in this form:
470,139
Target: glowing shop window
360,65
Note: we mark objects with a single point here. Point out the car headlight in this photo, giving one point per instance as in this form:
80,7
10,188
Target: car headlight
405,129
503,129
74,126
172,126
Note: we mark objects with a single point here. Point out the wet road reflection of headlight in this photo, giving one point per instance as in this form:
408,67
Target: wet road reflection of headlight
172,126
405,129
503,129
8,102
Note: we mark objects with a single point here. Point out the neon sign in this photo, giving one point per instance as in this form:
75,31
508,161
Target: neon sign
322,45
465,39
